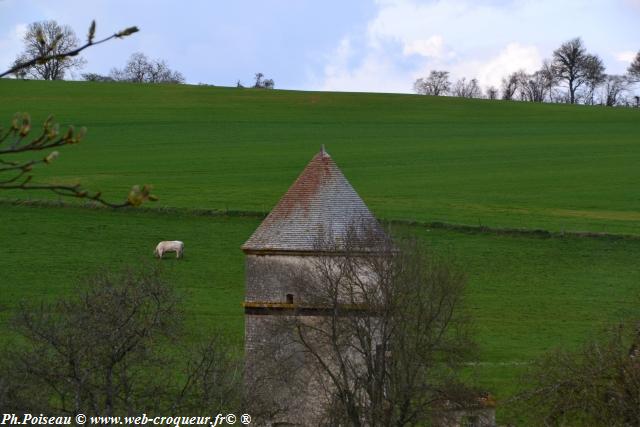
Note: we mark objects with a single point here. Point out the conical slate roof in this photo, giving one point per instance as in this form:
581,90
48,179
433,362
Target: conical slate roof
320,203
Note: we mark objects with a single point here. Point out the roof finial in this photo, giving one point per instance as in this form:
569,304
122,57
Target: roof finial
323,151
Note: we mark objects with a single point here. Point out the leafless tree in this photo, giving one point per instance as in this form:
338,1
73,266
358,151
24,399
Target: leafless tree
534,87
258,82
598,385
594,78
95,77
465,89
213,379
509,86
136,70
386,338
50,55
492,92
85,353
141,69
48,38
262,84
634,69
437,84
572,64
268,84
106,350
161,73
613,90
17,140
548,77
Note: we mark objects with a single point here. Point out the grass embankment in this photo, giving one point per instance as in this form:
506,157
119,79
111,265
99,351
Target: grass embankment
494,163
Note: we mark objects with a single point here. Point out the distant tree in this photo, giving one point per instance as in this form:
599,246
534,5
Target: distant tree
549,78
594,78
48,38
263,84
17,140
437,84
534,87
613,90
465,89
160,73
141,69
258,82
95,77
136,70
634,69
268,84
572,64
492,92
598,385
20,73
239,84
509,86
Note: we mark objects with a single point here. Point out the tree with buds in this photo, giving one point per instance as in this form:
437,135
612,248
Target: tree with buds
18,138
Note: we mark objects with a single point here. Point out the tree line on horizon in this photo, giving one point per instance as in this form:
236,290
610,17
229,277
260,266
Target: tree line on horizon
51,38
572,75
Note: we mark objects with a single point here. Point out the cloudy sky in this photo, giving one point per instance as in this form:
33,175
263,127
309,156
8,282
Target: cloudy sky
344,45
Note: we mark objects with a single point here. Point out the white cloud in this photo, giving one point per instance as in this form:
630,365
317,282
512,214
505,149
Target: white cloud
405,41
431,47
374,72
512,58
483,39
339,58
626,56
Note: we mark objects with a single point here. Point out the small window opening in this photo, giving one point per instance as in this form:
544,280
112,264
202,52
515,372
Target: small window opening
289,298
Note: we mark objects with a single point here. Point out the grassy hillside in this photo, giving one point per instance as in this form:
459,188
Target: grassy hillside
500,164
503,164
527,294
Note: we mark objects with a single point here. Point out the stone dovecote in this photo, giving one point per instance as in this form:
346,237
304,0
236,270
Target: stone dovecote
320,202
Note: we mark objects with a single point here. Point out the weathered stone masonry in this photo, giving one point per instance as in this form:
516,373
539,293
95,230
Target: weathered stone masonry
321,202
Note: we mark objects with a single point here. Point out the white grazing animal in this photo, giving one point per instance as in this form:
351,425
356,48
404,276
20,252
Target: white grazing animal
170,246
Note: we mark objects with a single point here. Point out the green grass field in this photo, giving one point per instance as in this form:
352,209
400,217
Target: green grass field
527,295
502,164
473,162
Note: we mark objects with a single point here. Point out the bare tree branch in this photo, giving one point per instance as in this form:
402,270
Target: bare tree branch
47,56
597,385
47,40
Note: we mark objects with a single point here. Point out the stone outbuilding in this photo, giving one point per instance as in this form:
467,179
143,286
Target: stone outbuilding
320,203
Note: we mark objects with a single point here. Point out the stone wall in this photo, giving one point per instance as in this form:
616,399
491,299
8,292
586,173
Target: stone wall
269,277
278,374
276,368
